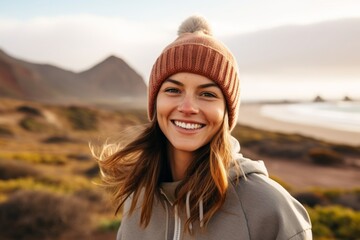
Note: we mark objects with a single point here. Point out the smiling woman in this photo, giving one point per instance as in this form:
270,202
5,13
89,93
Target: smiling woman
190,110
183,176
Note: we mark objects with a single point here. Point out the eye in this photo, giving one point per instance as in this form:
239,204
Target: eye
208,94
172,90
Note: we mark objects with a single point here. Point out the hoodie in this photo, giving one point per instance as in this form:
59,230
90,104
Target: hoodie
256,208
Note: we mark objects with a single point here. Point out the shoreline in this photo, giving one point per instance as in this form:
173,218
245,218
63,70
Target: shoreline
250,115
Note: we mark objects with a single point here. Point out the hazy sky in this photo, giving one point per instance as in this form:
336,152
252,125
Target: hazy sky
78,34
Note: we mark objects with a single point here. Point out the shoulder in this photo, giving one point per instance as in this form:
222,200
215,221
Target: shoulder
270,209
257,187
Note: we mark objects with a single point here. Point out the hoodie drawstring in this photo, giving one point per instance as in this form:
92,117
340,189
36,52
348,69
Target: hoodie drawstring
167,221
188,208
201,212
177,224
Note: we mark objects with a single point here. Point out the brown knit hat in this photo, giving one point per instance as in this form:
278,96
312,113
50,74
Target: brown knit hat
197,51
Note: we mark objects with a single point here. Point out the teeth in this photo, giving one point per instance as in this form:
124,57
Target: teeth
191,126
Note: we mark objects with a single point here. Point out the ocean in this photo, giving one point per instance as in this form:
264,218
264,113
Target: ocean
341,115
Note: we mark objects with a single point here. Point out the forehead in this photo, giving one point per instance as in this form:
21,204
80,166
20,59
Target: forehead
191,79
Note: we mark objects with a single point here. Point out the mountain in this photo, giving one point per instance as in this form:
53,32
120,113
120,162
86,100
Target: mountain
104,78
112,80
330,47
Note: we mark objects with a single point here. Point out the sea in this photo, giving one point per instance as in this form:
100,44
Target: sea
341,115
295,100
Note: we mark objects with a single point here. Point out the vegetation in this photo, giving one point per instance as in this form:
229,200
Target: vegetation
29,110
323,197
5,131
335,222
35,157
46,183
42,215
41,168
33,124
296,147
325,157
81,118
59,139
109,225
16,169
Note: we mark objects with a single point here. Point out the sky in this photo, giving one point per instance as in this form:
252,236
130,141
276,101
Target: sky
76,35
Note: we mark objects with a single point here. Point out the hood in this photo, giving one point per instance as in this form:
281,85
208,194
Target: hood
246,165
243,167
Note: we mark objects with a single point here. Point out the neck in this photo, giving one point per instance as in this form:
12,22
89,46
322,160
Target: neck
179,162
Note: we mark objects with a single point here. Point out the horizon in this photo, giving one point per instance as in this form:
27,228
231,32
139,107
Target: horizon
77,36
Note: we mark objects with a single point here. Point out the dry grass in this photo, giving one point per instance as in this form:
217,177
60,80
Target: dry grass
42,215
16,169
51,156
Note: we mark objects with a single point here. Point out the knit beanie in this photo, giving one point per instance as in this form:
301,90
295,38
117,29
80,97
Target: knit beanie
197,51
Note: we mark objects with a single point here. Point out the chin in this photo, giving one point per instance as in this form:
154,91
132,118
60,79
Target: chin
186,148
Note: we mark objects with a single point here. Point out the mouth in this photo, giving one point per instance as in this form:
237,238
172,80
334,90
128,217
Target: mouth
187,126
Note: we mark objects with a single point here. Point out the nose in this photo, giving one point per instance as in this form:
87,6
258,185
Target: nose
188,105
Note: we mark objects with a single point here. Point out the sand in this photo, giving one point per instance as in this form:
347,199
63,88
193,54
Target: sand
250,116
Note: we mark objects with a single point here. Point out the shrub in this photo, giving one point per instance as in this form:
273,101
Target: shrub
59,139
281,150
346,149
93,171
109,225
99,200
325,157
26,183
5,131
29,110
335,222
81,118
46,183
79,156
311,199
13,169
34,125
346,198
40,215
34,157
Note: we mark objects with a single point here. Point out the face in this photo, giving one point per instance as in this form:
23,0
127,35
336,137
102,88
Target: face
190,109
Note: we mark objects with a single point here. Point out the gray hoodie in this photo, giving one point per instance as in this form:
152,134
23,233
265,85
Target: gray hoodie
256,208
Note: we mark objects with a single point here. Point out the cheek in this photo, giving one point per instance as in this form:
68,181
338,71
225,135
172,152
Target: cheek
161,107
216,114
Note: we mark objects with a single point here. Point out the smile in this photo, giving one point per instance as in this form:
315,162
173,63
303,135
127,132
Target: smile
188,126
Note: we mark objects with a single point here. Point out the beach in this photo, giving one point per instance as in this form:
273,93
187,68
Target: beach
300,174
250,115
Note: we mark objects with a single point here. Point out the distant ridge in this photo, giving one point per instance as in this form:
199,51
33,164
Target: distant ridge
110,81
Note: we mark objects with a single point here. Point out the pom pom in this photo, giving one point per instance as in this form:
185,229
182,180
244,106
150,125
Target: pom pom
195,24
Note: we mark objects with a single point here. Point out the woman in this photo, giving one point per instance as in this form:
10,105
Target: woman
183,177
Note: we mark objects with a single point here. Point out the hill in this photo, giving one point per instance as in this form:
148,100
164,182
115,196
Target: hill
112,80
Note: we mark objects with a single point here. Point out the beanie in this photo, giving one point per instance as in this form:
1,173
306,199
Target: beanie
197,51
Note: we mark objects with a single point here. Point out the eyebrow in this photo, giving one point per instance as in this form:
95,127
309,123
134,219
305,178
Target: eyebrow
206,85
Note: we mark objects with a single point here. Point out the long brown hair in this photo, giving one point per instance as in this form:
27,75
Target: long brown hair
142,165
